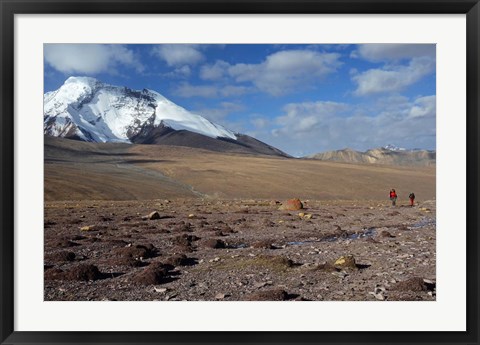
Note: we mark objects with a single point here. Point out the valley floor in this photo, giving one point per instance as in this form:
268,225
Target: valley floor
236,250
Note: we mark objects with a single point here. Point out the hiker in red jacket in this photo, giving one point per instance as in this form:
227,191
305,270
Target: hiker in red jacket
393,197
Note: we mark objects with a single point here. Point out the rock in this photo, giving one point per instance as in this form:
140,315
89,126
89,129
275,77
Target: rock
83,272
137,251
385,233
87,228
307,216
180,260
291,205
261,284
185,240
154,215
160,290
214,243
412,284
220,296
153,274
61,256
347,261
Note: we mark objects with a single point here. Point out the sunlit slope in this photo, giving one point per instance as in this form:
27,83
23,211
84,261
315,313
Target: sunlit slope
78,170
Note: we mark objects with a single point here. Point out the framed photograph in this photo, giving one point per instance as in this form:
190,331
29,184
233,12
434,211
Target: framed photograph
239,172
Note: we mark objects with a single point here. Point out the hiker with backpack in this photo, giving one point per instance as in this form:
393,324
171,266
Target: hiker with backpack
412,199
393,197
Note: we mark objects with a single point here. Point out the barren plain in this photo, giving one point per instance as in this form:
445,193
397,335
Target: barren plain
147,222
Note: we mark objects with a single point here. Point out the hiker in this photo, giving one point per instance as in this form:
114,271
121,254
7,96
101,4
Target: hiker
393,197
412,199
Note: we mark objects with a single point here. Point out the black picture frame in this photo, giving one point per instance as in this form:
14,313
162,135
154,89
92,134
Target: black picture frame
8,10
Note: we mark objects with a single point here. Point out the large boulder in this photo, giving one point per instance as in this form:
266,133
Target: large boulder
292,205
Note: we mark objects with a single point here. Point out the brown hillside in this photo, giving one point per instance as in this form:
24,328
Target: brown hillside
78,170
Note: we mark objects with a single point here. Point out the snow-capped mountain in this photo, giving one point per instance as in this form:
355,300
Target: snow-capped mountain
90,110
391,147
86,109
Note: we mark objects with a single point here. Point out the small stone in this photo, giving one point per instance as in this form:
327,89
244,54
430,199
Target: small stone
154,215
345,261
220,296
87,228
259,285
161,290
191,215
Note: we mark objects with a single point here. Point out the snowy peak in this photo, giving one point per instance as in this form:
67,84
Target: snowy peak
84,108
391,147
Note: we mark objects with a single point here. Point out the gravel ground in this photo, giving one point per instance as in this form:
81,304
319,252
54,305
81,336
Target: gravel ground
238,250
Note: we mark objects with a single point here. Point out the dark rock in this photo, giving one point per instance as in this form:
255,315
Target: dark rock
137,251
180,260
83,273
154,215
61,256
156,273
412,284
214,243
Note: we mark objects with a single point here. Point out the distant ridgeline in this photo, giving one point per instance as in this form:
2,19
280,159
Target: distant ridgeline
388,155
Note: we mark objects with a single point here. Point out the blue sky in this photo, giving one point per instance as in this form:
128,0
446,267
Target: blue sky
302,99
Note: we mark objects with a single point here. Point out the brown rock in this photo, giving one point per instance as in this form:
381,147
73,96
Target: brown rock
61,256
292,205
214,243
154,274
83,272
137,251
412,284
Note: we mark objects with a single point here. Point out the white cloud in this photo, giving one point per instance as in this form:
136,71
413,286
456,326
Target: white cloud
393,52
424,107
286,70
219,113
320,126
187,90
217,71
90,58
392,78
177,55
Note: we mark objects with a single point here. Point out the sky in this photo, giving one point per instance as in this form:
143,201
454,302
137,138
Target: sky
302,99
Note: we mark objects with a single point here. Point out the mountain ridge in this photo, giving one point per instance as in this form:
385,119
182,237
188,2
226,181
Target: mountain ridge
387,155
86,109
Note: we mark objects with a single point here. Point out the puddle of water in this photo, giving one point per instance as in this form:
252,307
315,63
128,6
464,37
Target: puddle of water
238,246
298,243
424,222
370,232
